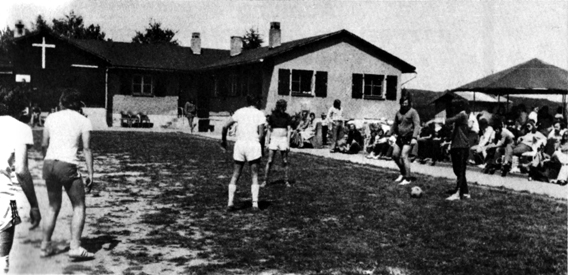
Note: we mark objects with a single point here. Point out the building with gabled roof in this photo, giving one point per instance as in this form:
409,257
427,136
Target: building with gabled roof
158,79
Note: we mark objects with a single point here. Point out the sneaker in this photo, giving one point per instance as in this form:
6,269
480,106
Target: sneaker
482,166
405,182
467,196
231,208
81,253
263,184
370,156
399,179
377,156
255,209
288,184
454,197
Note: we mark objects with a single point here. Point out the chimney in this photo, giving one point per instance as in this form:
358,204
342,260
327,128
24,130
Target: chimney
196,43
274,35
236,45
19,31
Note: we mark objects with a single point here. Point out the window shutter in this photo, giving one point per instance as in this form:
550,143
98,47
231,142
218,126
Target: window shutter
392,85
357,85
283,82
321,84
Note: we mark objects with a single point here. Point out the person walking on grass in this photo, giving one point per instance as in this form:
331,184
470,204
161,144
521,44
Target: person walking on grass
279,131
404,135
62,134
190,111
15,140
459,150
250,131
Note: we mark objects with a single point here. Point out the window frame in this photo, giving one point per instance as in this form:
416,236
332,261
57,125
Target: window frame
139,91
301,83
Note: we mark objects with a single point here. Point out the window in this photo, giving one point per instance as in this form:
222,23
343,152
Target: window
142,85
371,86
302,82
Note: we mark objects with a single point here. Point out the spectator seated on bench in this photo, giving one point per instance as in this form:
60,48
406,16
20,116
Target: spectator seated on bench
145,120
351,143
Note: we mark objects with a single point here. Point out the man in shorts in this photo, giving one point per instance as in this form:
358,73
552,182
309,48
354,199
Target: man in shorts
15,140
250,130
404,135
62,134
279,131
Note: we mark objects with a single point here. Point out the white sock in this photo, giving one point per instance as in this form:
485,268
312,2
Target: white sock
232,189
75,244
4,264
254,190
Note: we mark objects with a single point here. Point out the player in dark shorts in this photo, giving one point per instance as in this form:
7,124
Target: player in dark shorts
404,132
279,130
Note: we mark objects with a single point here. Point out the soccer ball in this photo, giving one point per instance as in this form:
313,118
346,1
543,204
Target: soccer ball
416,192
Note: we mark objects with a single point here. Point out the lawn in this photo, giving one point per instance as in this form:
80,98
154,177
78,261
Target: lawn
338,218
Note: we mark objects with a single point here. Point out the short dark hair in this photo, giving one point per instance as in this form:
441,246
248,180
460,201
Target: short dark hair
71,99
253,100
337,104
405,95
4,110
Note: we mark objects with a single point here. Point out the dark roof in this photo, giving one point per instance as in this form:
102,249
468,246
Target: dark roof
257,55
178,58
531,77
151,56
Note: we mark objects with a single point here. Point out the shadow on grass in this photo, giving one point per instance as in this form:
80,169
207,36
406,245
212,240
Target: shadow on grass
337,217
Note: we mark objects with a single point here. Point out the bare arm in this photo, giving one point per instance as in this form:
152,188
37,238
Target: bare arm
416,122
25,178
228,125
45,141
86,136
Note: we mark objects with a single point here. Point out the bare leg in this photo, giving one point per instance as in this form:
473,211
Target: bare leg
233,184
76,193
286,166
254,187
405,160
268,166
396,156
54,195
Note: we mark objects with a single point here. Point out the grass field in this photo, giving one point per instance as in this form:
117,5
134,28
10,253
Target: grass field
338,218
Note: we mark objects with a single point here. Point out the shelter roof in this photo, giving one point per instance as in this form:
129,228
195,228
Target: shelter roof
531,77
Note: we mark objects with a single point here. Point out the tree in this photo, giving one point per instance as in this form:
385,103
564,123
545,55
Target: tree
40,23
155,35
252,40
6,39
72,26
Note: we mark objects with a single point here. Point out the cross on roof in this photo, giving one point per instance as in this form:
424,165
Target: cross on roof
43,47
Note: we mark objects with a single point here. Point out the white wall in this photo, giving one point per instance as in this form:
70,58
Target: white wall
340,61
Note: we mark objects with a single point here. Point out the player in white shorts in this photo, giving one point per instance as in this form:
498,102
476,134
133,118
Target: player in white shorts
250,130
279,130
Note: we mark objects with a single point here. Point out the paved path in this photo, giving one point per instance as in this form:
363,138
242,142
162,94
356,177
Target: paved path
517,182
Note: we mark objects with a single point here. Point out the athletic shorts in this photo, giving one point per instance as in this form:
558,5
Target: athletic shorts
247,151
63,172
401,141
279,143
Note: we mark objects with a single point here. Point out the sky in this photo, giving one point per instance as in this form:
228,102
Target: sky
450,43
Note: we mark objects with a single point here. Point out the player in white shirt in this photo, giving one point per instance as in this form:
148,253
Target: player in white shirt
250,131
62,134
15,140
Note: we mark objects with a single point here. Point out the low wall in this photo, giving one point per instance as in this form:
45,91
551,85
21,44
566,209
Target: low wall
164,106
